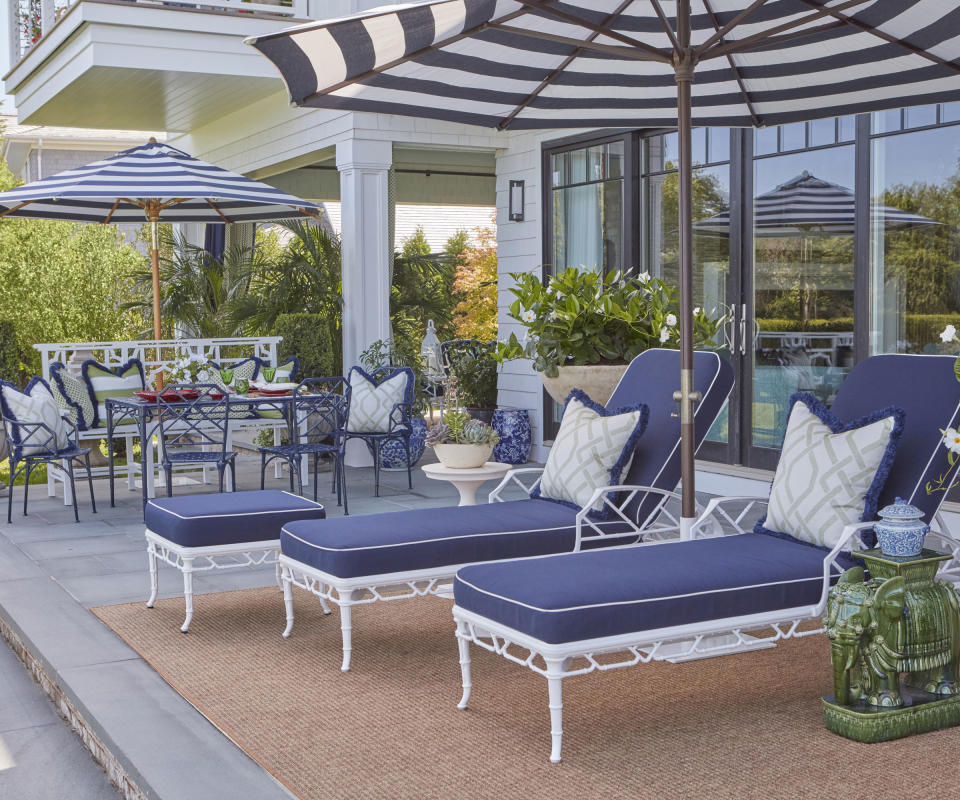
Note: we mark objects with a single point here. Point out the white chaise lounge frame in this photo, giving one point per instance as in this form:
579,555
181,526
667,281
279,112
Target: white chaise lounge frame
348,592
680,643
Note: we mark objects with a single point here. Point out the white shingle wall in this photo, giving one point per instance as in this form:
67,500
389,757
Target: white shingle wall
439,223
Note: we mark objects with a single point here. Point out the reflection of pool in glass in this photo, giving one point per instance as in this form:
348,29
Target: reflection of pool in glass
772,388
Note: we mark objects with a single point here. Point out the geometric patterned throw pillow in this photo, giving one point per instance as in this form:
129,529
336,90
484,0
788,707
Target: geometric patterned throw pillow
593,448
372,403
103,382
830,473
35,404
71,394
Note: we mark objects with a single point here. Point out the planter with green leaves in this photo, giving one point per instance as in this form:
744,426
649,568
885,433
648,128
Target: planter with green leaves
584,328
462,442
475,378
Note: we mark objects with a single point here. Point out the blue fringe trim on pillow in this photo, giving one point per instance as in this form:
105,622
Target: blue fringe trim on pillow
626,453
871,498
118,372
386,373
82,422
36,380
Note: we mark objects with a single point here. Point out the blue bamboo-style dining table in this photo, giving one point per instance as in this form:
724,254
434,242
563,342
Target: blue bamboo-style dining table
145,415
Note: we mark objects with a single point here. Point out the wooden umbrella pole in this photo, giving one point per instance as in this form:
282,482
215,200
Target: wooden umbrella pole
153,211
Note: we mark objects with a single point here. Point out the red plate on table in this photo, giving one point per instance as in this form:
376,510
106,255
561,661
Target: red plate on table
170,397
271,392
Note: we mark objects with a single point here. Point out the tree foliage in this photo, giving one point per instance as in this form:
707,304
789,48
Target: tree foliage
475,316
65,281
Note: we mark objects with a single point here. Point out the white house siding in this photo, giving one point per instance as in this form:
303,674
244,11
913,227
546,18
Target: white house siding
439,223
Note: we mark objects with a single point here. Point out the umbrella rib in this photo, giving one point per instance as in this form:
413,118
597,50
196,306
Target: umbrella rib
17,207
113,208
414,55
863,26
542,5
769,36
214,207
666,24
721,32
735,70
557,70
616,50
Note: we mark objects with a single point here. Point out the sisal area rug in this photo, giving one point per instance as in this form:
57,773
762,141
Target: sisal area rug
745,726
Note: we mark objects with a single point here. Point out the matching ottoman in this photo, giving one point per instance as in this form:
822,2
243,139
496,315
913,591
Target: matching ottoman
200,533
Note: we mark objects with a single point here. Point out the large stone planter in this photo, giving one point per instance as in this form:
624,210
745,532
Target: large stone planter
597,380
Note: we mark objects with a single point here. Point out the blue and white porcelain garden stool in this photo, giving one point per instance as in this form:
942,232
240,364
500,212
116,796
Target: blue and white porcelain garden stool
513,427
231,530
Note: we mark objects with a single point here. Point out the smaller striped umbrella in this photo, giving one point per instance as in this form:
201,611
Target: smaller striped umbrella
807,203
157,181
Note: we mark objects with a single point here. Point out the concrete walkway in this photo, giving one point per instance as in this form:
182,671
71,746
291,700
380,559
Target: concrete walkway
154,742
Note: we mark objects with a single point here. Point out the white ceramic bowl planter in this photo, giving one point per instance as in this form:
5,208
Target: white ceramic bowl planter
463,456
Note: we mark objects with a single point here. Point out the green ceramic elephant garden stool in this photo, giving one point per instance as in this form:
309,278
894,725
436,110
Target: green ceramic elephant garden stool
882,628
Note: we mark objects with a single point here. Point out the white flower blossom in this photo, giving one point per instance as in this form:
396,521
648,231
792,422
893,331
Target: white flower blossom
696,310
949,334
671,320
951,439
644,277
528,315
664,334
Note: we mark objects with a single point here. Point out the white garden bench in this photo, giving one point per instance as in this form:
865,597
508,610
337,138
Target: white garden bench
157,356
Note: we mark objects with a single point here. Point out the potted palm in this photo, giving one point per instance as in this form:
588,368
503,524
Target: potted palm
584,328
462,442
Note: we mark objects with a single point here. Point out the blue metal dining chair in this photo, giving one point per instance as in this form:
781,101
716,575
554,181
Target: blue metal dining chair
33,442
317,415
191,418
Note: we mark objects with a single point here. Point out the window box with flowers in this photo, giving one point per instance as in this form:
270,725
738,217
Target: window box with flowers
584,328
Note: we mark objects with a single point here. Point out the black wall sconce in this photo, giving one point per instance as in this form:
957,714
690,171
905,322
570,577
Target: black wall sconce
516,201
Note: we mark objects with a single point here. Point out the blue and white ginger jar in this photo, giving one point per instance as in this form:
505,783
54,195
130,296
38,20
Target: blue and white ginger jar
901,530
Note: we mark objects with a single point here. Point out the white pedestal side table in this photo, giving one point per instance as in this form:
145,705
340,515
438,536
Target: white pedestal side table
467,481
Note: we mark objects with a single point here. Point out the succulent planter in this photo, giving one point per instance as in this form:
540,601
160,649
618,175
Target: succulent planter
513,427
597,380
393,454
463,456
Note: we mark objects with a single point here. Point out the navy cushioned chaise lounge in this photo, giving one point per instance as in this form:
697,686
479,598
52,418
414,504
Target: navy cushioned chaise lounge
354,560
692,599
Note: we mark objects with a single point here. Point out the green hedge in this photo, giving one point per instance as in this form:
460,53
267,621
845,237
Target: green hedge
919,329
9,352
812,325
307,336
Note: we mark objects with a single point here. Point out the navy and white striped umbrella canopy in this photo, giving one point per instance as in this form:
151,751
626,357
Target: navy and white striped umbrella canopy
182,188
808,204
602,63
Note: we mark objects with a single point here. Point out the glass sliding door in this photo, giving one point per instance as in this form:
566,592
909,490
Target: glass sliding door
711,242
800,332
914,228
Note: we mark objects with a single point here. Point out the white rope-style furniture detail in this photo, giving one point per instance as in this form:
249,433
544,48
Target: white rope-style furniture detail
680,643
204,559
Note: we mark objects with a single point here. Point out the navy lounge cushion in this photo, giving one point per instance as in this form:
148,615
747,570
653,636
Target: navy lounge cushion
577,596
205,520
400,541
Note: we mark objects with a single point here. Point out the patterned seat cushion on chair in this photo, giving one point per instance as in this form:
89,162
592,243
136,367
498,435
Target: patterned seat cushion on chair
34,404
228,518
593,448
71,394
400,541
372,402
830,473
103,382
578,596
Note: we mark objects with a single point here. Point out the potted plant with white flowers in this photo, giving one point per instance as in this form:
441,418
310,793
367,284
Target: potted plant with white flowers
583,328
948,479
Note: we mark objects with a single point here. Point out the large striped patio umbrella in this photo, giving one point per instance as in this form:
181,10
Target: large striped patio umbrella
522,64
157,182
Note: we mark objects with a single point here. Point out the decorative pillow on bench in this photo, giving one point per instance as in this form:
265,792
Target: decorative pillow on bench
286,372
103,382
830,472
245,370
71,394
593,448
35,404
372,402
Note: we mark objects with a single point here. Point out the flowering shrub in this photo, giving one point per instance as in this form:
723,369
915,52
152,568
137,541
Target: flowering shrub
951,437
189,369
588,318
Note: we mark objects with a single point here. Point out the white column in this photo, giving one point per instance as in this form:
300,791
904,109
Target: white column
364,166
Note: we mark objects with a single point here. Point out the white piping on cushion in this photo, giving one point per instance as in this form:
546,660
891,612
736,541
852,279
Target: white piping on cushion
309,505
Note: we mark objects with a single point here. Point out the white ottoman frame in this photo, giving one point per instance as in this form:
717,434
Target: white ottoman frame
204,559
